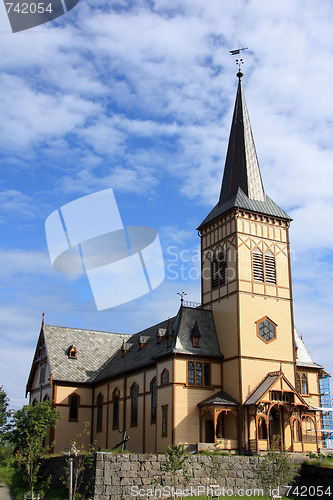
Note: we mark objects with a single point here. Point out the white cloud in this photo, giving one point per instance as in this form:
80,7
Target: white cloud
141,100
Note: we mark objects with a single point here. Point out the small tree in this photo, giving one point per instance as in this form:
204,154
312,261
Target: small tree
175,462
4,413
83,459
276,469
28,429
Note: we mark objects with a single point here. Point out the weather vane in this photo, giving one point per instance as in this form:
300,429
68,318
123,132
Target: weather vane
239,61
182,294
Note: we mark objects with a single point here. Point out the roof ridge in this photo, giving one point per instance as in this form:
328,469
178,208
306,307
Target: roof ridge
87,330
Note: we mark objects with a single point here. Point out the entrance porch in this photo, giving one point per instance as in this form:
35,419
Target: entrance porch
219,416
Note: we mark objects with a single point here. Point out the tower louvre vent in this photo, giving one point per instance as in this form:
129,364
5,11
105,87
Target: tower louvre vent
270,270
258,265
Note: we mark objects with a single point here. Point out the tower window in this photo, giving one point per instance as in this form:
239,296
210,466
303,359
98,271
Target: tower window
219,270
266,330
298,381
134,404
258,265
270,271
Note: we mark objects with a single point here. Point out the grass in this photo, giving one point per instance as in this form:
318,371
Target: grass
321,461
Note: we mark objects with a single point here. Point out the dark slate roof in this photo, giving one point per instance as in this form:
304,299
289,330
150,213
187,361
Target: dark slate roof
220,398
241,168
303,357
208,341
262,388
100,354
181,325
240,200
94,349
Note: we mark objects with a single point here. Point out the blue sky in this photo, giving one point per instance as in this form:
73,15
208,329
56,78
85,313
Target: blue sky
138,96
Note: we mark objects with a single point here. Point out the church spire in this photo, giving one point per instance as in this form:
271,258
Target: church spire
242,185
241,166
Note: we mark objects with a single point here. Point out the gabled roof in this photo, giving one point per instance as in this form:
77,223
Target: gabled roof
220,398
242,185
303,356
93,348
100,355
181,326
267,383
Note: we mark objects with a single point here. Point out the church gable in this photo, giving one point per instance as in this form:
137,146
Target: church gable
275,388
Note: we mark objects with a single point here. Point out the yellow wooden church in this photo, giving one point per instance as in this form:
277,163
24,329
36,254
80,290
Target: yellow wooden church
233,371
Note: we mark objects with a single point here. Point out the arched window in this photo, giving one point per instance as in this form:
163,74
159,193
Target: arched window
164,377
134,404
115,417
99,423
190,374
46,398
298,381
262,428
153,389
304,384
297,430
270,271
258,265
74,401
34,402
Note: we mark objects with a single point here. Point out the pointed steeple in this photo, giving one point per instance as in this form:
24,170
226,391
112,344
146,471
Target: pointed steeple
242,186
241,166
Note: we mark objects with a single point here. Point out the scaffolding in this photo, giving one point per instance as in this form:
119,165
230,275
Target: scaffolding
327,416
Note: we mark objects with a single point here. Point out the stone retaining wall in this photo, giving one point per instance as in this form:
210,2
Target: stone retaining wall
143,476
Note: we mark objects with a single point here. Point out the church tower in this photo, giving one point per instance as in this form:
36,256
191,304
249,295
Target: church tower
246,278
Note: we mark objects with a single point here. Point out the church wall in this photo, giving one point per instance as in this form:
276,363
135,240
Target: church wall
66,430
225,319
100,437
252,310
164,398
231,378
187,414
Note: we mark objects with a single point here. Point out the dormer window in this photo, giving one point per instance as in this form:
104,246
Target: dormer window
160,334
169,335
125,348
195,335
142,341
72,353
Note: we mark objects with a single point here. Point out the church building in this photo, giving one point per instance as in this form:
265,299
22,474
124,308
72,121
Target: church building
232,371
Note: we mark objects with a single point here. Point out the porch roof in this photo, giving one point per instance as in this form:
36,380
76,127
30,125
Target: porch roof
262,388
219,399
